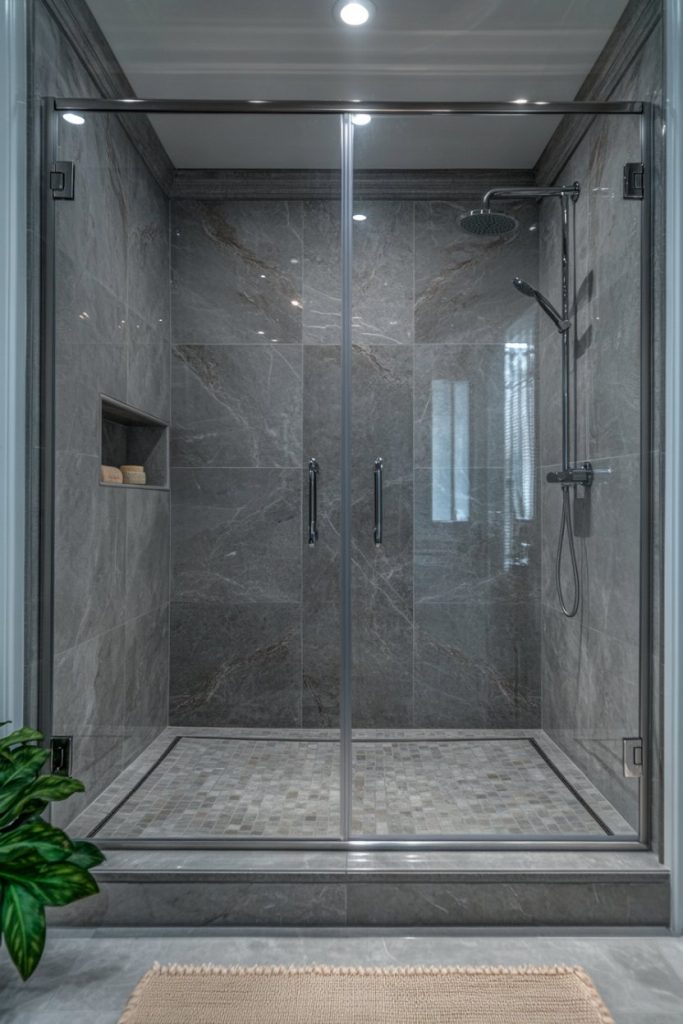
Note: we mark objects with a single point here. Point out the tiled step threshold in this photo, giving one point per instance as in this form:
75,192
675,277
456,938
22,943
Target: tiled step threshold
378,889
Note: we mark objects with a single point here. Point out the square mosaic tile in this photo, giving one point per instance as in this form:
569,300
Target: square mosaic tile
204,783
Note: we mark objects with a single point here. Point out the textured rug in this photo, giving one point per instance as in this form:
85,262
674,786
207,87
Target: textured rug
365,995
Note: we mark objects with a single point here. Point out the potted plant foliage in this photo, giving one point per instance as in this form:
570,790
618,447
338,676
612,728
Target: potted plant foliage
39,865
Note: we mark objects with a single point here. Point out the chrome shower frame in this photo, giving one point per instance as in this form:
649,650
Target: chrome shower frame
52,109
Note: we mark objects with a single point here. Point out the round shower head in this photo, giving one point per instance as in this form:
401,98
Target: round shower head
487,222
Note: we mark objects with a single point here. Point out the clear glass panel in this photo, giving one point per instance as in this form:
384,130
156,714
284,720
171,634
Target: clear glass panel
479,708
196,628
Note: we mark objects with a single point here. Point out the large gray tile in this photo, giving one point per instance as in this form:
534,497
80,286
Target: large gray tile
90,544
236,272
236,405
477,666
147,550
146,680
237,535
235,664
240,904
382,289
463,282
88,705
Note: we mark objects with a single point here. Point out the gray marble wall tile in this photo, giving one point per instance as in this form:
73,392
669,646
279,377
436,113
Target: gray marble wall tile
147,550
94,228
477,666
607,527
463,282
382,296
112,323
88,705
90,543
382,577
321,636
590,702
496,904
145,711
236,272
90,354
237,535
236,664
169,904
236,405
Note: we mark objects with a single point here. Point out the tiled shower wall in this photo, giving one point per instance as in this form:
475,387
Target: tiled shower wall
590,664
110,690
445,613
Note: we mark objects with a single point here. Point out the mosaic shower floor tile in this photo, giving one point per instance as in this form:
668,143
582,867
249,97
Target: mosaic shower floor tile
217,783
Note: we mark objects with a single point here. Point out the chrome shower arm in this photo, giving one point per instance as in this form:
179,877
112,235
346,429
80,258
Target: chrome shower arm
530,192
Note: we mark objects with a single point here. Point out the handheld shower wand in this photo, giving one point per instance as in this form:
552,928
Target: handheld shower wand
545,304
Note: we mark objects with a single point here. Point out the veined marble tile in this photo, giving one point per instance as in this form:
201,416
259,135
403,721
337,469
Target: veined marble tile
237,535
236,405
463,282
236,272
382,290
235,664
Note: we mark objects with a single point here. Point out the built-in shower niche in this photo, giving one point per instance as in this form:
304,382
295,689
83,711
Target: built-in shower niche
134,438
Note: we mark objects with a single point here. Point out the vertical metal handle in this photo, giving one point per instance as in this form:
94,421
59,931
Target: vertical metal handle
312,501
377,532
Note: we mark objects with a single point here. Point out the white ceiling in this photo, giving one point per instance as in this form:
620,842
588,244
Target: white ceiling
431,50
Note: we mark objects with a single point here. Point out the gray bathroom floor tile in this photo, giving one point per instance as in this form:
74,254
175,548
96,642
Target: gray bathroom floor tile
86,978
214,783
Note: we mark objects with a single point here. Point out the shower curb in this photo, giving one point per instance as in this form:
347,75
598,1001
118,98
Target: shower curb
372,898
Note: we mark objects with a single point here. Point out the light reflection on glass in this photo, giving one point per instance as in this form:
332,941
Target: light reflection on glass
519,442
450,451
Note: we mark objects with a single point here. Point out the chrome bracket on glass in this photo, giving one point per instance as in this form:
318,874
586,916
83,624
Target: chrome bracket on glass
377,532
313,501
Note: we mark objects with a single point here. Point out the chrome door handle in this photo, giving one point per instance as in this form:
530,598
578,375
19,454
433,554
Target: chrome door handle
313,501
377,532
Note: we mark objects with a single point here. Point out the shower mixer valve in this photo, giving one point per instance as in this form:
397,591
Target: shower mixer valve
582,474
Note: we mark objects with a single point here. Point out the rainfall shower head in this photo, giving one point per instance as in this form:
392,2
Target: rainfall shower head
545,304
487,222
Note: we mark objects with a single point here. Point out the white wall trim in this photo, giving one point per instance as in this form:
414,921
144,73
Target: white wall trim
12,354
673,540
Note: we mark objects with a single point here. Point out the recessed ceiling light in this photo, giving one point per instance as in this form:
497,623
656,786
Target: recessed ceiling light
354,14
521,101
257,101
74,118
359,216
540,103
361,119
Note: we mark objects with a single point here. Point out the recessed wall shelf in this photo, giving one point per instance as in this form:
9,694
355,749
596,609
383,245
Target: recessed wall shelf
132,437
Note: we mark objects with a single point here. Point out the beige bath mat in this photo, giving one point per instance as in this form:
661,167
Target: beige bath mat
365,995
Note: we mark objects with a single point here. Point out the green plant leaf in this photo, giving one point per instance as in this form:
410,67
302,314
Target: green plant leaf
38,837
29,757
51,884
32,798
86,855
21,736
23,925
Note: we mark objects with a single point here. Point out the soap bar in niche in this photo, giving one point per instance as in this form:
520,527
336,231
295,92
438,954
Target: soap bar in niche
111,475
134,474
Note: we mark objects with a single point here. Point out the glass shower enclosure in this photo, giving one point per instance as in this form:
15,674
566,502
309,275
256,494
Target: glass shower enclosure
384,369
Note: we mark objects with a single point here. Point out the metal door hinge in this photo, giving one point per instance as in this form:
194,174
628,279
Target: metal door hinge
633,758
634,181
62,175
60,747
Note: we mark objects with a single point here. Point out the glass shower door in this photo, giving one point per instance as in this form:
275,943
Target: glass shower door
479,709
